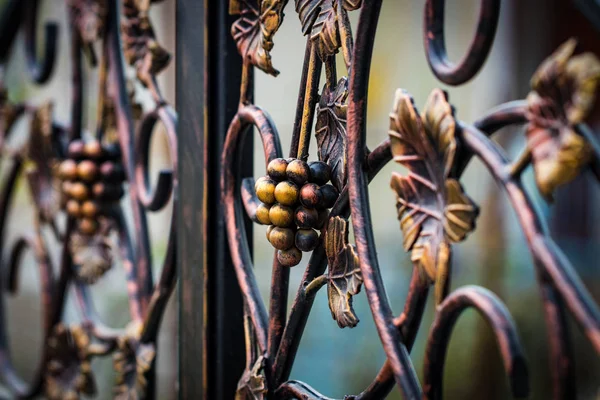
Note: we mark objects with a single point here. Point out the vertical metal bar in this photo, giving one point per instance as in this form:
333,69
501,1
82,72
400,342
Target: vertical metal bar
211,315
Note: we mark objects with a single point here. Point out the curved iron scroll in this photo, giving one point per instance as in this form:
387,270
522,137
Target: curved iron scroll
309,206
79,177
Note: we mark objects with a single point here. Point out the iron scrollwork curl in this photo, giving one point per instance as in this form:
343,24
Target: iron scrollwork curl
432,205
82,175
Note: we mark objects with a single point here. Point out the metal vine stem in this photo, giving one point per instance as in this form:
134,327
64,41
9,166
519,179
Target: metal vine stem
82,175
433,208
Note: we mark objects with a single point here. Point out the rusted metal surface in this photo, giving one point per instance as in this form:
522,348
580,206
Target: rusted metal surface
433,207
82,175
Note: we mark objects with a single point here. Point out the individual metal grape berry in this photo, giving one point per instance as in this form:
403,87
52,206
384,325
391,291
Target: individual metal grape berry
306,239
276,169
112,172
79,191
281,216
67,170
87,170
310,196
281,238
73,208
306,217
286,193
75,149
298,172
289,258
262,214
93,149
90,209
319,172
265,190
329,196
88,226
269,230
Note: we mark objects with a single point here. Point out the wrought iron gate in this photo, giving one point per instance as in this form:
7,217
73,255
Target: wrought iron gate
231,343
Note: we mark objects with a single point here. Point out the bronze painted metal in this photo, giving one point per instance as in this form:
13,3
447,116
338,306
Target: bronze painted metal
433,208
78,181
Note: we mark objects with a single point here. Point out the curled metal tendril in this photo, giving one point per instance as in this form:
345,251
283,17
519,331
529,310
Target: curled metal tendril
503,326
240,253
479,48
156,200
39,69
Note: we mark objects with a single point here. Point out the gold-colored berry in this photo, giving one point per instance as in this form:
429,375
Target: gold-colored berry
281,216
276,169
281,238
290,257
306,217
87,170
67,170
310,196
286,193
262,214
73,208
298,172
269,230
306,239
88,226
265,190
90,209
79,191
93,149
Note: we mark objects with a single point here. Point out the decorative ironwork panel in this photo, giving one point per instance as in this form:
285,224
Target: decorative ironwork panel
77,180
309,205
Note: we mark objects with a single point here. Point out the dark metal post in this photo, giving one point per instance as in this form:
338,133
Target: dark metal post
208,81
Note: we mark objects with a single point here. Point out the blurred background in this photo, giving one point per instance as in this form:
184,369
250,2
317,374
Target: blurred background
338,362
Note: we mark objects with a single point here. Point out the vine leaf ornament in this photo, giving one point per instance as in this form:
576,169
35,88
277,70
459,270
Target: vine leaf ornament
319,18
132,360
343,278
69,371
92,255
253,32
41,163
564,89
330,131
432,208
89,17
253,383
139,42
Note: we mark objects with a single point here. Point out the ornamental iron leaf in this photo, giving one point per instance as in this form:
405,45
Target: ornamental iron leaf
92,255
253,31
432,207
89,18
564,89
139,42
69,371
344,278
42,163
253,383
319,18
132,360
331,131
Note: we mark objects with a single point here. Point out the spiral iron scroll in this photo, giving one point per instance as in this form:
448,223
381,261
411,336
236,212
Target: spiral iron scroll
307,214
76,180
